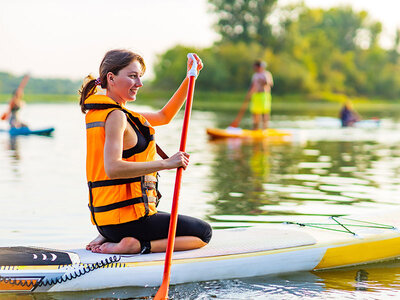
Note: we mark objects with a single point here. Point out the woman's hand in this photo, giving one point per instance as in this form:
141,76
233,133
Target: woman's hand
199,64
179,159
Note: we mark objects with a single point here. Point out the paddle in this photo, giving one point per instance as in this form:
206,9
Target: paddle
240,115
162,292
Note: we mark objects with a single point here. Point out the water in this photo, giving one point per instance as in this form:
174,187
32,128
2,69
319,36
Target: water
323,171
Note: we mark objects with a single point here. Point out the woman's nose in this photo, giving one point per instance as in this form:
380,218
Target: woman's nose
139,82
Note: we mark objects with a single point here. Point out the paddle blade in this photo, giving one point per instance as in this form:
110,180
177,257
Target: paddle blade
235,123
4,116
162,292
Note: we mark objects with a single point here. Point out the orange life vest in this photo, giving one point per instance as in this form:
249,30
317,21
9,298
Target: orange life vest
116,201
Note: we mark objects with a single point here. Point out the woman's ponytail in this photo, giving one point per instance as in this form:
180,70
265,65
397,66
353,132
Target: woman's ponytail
88,88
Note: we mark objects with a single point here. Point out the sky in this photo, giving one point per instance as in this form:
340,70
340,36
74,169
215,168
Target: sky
68,39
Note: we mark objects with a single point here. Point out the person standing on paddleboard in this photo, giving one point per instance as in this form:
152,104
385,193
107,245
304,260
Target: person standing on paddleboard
121,163
260,95
15,105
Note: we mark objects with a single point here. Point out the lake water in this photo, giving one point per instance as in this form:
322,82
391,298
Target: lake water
324,170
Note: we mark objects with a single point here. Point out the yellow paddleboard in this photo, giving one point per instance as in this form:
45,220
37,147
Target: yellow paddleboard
232,132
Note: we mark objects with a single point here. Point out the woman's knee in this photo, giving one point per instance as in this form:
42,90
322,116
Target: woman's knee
130,243
207,233
190,226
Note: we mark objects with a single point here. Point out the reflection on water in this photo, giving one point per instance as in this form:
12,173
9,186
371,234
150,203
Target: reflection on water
316,178
239,170
43,197
12,147
372,278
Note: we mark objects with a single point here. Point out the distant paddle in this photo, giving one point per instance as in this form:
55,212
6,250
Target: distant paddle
162,292
240,115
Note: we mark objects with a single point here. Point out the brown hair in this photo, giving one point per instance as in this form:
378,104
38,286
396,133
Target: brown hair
113,62
260,63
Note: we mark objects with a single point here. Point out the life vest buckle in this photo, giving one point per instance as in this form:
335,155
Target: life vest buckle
150,183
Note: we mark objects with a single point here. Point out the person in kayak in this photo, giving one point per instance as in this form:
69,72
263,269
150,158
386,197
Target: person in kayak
121,165
348,116
260,95
15,105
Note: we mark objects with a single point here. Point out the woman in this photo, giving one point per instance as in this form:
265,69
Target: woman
122,167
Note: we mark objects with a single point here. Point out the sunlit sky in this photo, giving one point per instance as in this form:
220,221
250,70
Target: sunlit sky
54,38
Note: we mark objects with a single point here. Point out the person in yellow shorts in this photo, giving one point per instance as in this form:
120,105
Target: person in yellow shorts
260,95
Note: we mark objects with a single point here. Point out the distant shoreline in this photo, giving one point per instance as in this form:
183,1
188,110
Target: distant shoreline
324,104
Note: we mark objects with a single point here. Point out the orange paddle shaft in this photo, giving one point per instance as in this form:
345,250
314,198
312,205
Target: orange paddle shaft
162,292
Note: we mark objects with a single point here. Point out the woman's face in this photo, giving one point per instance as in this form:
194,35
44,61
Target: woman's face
127,83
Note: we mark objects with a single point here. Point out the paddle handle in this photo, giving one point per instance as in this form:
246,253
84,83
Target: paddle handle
193,70
162,292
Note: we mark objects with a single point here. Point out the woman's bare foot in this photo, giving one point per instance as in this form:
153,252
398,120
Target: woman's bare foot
128,245
99,240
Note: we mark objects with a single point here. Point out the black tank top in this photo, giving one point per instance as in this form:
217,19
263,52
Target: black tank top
140,146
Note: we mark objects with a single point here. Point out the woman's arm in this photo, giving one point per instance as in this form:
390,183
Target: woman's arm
24,82
169,111
115,167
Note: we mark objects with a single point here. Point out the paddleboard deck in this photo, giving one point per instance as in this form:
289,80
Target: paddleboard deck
232,253
231,132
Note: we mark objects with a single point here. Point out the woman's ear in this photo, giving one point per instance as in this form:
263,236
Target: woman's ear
110,78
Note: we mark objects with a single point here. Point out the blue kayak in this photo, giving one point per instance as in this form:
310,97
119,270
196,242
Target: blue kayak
27,131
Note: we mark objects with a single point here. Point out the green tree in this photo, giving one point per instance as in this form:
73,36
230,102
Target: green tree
315,50
244,20
170,67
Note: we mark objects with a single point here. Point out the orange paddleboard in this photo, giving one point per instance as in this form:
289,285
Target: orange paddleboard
233,132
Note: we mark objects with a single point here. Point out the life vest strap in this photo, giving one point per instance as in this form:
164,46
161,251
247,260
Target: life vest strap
100,183
104,208
101,106
161,153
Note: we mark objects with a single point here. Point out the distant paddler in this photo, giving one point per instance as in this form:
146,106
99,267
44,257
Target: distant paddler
259,96
15,105
348,115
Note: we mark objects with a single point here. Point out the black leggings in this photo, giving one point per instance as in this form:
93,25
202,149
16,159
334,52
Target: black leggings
155,227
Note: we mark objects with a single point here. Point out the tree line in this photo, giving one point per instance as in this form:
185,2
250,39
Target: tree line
308,50
9,83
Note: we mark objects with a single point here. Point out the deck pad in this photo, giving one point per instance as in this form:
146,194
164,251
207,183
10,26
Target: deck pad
27,256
